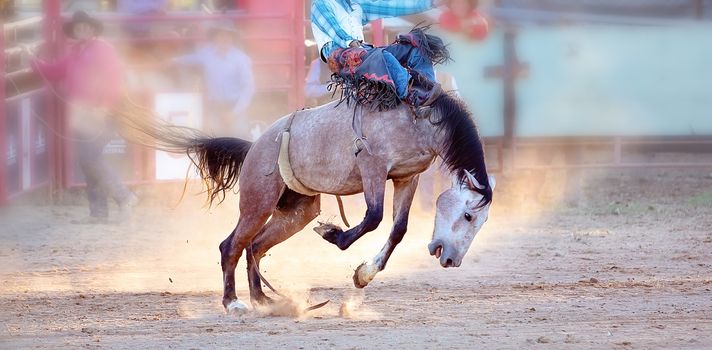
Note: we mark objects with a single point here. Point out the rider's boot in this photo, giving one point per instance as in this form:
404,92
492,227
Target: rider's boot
422,92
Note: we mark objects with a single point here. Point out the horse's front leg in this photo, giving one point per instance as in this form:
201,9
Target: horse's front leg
404,191
373,176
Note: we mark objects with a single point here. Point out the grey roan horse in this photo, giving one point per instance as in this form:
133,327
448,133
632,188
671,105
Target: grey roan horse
324,158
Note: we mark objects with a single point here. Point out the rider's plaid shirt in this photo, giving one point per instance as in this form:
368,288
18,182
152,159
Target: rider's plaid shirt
338,22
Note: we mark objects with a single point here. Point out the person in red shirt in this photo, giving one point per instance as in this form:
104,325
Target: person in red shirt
462,16
92,76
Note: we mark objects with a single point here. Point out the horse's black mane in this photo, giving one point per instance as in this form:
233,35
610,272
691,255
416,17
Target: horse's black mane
463,149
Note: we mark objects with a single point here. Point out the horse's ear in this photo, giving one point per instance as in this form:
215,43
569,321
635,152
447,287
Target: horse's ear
472,183
492,182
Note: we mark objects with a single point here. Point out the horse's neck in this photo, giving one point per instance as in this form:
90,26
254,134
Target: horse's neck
436,138
401,117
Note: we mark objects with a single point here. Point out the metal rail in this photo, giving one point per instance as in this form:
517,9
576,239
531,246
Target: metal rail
23,95
614,166
189,17
617,144
21,24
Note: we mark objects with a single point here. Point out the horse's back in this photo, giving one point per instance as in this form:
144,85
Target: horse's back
323,144
322,148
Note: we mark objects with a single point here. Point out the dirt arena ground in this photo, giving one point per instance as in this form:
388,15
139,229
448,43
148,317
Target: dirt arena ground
624,260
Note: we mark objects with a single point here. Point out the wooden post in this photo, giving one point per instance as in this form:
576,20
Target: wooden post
377,31
617,151
510,97
509,72
512,70
300,52
55,109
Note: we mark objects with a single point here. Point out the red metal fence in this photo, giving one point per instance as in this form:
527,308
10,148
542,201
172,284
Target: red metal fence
33,131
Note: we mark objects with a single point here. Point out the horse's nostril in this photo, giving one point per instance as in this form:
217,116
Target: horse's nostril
449,263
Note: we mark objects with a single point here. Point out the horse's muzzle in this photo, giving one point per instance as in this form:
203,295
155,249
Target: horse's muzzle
447,256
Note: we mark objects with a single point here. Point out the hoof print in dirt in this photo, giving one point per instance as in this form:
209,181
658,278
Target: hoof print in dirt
329,232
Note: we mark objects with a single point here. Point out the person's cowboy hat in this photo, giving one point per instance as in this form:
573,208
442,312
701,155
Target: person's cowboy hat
82,17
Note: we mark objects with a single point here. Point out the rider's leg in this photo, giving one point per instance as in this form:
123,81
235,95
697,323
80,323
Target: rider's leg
413,58
421,88
420,63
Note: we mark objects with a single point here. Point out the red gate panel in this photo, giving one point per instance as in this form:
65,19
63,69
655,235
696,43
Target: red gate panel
34,141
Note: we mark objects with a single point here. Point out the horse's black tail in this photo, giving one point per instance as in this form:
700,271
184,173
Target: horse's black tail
217,159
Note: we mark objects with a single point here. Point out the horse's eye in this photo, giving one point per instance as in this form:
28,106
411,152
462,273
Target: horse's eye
468,217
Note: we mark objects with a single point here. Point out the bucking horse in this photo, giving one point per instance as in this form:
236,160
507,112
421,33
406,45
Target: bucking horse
339,149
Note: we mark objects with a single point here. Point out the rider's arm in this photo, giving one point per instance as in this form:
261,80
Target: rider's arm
325,19
375,9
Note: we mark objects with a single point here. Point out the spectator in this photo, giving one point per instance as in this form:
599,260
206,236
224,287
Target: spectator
229,82
462,16
316,87
143,7
92,75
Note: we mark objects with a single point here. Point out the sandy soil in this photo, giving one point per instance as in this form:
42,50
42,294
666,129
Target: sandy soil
624,260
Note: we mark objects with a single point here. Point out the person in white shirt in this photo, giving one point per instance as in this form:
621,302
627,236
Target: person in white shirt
228,80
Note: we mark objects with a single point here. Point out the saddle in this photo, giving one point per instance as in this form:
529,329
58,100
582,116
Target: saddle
364,77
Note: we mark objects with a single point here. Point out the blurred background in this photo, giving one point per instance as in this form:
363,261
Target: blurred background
553,83
597,120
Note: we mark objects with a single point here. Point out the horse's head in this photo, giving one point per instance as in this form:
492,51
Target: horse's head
459,216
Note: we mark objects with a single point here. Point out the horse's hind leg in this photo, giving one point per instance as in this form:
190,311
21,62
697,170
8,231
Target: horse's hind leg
256,205
293,213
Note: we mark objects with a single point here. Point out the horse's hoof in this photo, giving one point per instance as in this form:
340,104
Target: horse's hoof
364,274
236,307
329,232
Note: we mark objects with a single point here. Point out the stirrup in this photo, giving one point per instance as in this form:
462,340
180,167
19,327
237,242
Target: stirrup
435,92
